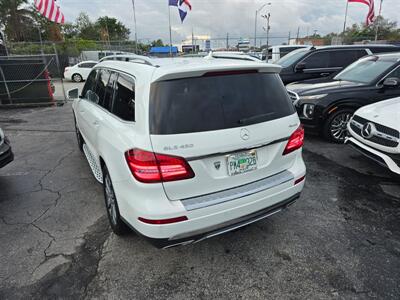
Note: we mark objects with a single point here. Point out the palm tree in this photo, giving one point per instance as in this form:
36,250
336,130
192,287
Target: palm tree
16,18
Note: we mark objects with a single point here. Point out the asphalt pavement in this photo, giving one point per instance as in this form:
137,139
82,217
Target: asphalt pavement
341,240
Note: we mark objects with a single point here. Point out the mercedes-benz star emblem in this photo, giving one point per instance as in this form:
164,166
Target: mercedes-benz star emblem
217,165
244,134
368,130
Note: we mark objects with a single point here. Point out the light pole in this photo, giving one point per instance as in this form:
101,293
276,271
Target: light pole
134,20
255,23
267,16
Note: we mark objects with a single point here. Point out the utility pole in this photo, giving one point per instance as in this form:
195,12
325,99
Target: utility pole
134,19
288,41
227,41
377,21
255,22
267,17
192,41
298,35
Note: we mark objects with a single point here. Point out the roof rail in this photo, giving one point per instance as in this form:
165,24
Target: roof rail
133,58
233,55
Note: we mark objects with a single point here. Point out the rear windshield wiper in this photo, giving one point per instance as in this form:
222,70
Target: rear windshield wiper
259,118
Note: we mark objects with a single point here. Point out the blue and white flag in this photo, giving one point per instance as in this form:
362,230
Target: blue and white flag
183,7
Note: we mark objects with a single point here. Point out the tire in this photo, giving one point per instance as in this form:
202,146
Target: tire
335,129
117,225
77,78
79,137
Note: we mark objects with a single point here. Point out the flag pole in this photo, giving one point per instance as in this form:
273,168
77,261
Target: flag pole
170,32
345,17
377,21
134,19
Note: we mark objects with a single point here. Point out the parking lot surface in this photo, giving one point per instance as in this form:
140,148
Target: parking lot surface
341,240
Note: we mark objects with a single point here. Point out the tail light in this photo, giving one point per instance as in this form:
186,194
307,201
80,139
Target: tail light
163,221
296,141
149,167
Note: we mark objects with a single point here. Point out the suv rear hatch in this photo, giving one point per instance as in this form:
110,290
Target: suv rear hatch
231,127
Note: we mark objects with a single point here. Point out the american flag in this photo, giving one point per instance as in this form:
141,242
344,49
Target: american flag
371,11
50,10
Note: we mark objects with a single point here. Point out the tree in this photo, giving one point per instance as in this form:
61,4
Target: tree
112,29
16,17
85,28
157,43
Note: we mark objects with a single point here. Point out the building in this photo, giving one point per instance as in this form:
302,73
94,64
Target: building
243,45
164,51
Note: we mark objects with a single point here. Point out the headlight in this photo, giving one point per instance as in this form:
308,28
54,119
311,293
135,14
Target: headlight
313,97
308,110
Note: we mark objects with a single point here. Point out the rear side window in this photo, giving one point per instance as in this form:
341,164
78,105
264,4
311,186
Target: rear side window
343,58
124,99
108,97
102,81
217,102
87,65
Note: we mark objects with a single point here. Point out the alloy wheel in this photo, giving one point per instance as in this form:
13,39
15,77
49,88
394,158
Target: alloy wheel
338,127
110,200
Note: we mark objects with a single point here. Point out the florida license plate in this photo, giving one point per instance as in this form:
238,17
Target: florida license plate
243,162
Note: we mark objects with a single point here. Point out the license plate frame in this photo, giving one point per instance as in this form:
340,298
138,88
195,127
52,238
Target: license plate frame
242,162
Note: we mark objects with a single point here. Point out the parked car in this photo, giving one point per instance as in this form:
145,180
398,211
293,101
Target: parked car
201,148
275,53
79,72
6,155
327,107
375,132
321,64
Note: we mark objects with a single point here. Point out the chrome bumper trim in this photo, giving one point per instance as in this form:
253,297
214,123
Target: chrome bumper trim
238,192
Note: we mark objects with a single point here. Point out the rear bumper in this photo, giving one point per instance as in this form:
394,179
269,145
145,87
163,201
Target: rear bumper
6,155
382,158
207,221
206,233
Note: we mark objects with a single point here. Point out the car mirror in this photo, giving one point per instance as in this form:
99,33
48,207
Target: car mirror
300,67
391,82
73,94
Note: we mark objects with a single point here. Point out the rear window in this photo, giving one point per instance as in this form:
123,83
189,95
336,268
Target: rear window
217,102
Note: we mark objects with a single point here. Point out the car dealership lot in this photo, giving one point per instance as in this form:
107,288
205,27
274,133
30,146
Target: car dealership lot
340,240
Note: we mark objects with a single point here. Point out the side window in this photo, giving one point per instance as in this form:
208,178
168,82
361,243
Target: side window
90,85
101,83
86,65
109,93
395,73
343,58
317,60
124,99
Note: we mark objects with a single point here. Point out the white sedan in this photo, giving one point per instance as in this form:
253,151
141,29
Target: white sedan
80,71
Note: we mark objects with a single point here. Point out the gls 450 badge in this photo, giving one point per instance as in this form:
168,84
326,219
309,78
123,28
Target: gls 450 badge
177,147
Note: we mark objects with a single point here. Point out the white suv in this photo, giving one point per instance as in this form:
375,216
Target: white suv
188,149
375,132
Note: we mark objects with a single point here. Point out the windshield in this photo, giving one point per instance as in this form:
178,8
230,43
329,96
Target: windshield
365,70
217,102
292,57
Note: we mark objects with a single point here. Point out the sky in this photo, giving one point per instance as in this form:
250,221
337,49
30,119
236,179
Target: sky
216,18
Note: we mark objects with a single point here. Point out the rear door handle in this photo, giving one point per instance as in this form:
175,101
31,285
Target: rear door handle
325,74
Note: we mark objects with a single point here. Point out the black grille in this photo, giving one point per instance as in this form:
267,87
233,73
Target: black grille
379,127
384,142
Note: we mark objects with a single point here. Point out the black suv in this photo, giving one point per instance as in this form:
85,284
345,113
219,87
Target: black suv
327,107
321,64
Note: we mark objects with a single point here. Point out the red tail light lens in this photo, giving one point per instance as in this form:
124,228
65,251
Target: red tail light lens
163,221
149,167
296,141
